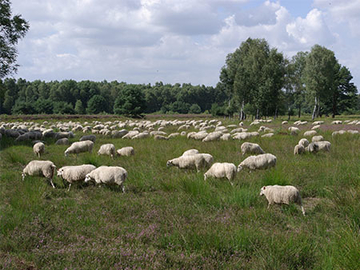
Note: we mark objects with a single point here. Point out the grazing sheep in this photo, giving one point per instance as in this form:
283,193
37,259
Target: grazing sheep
251,148
318,138
304,142
260,162
190,152
282,195
312,147
79,147
63,141
39,148
74,174
208,159
284,122
299,149
294,130
324,146
88,138
119,133
213,136
160,137
43,168
310,133
126,151
188,162
221,170
107,149
267,135
108,175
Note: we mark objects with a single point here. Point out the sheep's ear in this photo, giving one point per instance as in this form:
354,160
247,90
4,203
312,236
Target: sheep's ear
264,187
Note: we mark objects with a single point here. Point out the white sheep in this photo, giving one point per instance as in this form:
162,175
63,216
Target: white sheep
45,168
188,162
251,148
108,175
107,149
324,146
294,130
74,174
310,133
318,138
190,152
312,148
259,162
299,149
282,195
221,170
213,136
304,142
79,147
39,148
126,151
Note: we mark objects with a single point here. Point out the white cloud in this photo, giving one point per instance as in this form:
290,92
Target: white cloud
144,41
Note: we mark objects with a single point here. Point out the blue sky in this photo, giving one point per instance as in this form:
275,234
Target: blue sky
185,41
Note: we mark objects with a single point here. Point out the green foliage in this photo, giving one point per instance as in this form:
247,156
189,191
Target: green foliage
79,108
62,107
12,28
97,104
195,109
130,101
23,107
44,106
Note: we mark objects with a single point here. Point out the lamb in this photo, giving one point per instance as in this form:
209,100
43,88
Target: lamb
74,174
45,168
282,195
251,148
39,148
188,162
126,151
88,138
221,170
299,149
79,147
259,162
108,175
107,149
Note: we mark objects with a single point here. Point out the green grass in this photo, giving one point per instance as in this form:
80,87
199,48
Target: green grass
173,219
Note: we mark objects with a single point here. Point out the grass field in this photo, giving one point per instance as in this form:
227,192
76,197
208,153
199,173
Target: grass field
172,219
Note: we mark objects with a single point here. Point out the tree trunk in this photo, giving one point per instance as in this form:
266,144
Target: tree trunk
315,110
334,107
275,113
299,110
257,114
242,114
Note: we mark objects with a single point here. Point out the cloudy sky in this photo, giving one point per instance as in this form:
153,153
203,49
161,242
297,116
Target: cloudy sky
185,41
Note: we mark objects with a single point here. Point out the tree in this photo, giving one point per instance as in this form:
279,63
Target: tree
195,109
97,104
253,74
79,108
130,101
12,28
320,71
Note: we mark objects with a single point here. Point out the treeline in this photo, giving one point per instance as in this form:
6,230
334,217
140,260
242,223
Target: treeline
256,80
88,97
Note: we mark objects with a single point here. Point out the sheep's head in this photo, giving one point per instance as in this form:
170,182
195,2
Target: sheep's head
169,163
239,168
66,153
60,172
262,191
87,178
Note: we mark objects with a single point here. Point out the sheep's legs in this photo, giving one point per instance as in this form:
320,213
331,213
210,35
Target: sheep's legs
52,184
302,210
69,187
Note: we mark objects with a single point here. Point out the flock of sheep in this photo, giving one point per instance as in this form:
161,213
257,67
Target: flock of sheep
190,159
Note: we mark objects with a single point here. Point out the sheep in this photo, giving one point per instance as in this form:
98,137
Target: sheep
190,152
107,149
79,147
282,195
88,138
126,151
39,148
188,162
221,170
251,148
108,175
312,148
208,159
299,149
294,130
259,162
267,135
213,136
74,174
45,168
317,138
310,133
324,146
304,142
63,141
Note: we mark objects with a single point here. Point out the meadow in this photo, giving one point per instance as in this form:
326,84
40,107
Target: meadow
172,219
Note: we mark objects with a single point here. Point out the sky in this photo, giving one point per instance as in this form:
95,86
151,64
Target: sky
174,41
